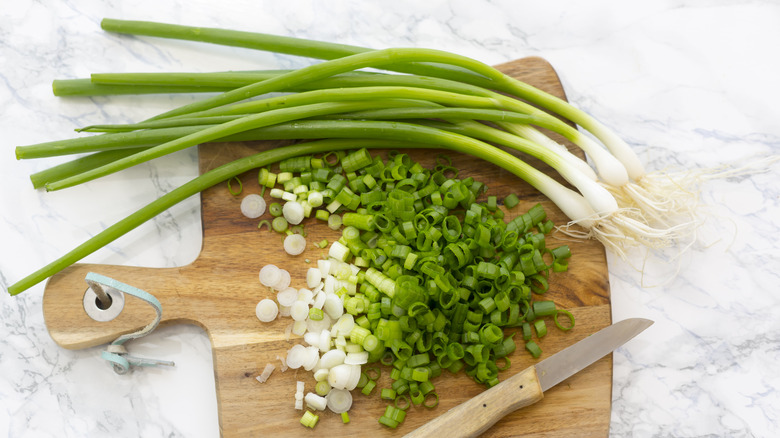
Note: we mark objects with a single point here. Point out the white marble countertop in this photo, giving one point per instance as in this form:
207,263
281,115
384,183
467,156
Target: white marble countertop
688,84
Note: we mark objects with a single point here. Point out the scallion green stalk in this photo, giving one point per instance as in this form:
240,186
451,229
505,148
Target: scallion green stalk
478,75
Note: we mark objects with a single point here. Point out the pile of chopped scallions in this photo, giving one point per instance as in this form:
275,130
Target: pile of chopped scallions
425,278
441,100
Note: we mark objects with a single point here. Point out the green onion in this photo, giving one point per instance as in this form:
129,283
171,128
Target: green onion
331,51
451,72
568,315
279,224
369,387
533,348
309,419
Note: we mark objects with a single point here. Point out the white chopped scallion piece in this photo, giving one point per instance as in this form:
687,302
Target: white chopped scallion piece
312,358
305,295
339,251
289,197
315,199
354,376
312,338
333,306
284,311
351,347
299,328
319,300
296,355
321,375
313,277
283,367
293,212
253,206
316,326
284,281
270,275
324,342
299,310
330,284
339,400
356,358
324,267
294,244
266,310
332,358
345,324
287,297
344,376
339,376
315,401
269,368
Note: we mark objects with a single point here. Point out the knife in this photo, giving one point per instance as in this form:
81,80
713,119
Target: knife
527,387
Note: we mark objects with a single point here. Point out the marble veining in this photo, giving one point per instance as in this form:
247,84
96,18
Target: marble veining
689,84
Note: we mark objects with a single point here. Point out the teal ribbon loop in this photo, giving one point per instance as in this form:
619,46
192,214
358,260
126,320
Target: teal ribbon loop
116,353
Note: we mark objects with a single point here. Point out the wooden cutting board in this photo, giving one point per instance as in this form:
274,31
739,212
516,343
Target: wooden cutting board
219,291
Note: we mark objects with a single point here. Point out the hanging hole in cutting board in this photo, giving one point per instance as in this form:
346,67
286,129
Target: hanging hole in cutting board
103,312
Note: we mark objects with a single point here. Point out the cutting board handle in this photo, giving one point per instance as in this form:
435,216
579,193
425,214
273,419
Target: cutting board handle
71,327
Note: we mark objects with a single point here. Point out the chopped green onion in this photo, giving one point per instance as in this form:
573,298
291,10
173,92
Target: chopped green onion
369,387
388,394
388,422
511,201
334,222
567,314
431,400
279,224
540,327
544,308
402,402
322,388
533,348
309,419
230,187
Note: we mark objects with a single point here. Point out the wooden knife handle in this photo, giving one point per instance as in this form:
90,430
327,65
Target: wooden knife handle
475,416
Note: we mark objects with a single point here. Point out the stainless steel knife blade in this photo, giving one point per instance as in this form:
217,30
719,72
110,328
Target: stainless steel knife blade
569,361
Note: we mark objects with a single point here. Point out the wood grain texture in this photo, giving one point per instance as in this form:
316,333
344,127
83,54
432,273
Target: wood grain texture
220,289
